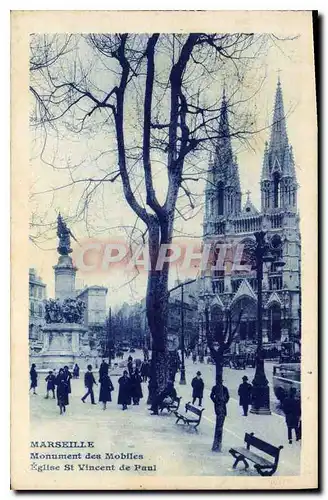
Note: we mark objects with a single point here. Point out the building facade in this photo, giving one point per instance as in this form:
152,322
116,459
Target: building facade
228,225
37,294
95,315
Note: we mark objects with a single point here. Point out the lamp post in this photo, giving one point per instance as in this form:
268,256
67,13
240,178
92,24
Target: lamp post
109,333
261,390
183,367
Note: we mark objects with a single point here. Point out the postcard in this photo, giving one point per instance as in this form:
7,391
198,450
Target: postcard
164,258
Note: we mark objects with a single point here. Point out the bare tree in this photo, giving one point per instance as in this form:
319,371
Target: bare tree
150,99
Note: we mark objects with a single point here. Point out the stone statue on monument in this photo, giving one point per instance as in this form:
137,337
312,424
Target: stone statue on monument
64,234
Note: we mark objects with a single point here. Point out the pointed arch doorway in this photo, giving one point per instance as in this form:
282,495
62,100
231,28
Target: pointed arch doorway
247,327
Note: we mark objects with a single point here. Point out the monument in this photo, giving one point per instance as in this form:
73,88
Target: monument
64,316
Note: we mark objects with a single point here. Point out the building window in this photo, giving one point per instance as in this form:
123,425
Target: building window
32,308
235,285
275,323
220,199
40,310
275,283
276,190
218,286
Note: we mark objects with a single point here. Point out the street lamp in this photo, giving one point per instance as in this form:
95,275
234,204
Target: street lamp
261,390
183,367
109,335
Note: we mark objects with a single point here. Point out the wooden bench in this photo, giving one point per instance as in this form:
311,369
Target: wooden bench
170,407
186,419
263,466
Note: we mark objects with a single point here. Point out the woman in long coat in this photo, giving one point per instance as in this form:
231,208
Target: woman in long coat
76,371
34,378
68,377
124,393
136,391
130,365
62,391
106,387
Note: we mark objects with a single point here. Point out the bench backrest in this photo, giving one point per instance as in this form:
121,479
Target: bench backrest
267,448
193,409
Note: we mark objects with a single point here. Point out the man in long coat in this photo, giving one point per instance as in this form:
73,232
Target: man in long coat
197,385
62,391
245,395
136,391
124,393
89,381
292,410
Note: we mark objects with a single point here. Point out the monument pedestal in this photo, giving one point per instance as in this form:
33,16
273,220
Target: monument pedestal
61,346
64,278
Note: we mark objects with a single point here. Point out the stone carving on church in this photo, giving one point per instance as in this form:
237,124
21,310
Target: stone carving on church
68,311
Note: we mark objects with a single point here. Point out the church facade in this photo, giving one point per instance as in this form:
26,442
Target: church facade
228,223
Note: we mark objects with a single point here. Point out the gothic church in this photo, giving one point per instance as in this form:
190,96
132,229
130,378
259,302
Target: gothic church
228,222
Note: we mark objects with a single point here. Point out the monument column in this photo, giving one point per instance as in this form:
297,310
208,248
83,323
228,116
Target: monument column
65,273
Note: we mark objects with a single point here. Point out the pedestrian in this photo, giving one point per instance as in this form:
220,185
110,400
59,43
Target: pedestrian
197,385
138,364
106,387
194,357
62,391
130,365
292,409
50,379
169,394
33,377
76,371
145,369
136,391
124,393
146,354
178,362
245,395
220,397
68,377
89,381
103,369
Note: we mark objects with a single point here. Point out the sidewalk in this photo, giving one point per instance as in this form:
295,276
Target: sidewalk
174,449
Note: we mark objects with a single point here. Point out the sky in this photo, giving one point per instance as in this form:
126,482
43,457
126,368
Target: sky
114,211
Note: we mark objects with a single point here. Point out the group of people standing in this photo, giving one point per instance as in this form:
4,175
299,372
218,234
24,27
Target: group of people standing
130,390
59,383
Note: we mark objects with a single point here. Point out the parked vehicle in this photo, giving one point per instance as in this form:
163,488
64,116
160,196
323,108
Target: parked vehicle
285,376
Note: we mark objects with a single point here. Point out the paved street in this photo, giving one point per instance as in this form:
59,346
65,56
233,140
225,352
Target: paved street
174,449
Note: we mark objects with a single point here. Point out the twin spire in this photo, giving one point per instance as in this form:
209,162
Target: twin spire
278,160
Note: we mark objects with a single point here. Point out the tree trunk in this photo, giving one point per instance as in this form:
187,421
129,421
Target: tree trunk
220,407
157,311
218,433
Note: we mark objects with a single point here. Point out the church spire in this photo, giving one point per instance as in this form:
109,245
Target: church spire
278,138
223,193
278,178
223,150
